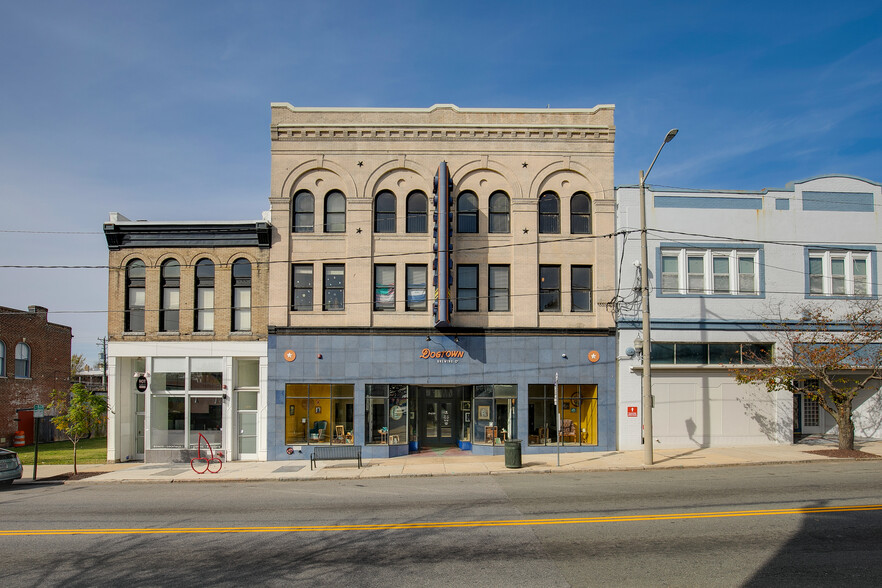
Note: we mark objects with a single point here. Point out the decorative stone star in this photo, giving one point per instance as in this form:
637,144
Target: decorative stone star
360,163
524,164
358,230
526,230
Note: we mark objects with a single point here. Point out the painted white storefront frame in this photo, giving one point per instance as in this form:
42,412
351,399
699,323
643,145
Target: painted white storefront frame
122,419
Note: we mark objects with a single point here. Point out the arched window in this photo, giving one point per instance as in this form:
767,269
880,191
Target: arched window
580,214
417,211
2,359
467,213
204,295
500,208
170,296
22,361
136,275
335,212
549,213
304,213
241,295
384,212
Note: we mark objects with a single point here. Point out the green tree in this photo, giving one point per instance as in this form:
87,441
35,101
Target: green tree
78,413
838,347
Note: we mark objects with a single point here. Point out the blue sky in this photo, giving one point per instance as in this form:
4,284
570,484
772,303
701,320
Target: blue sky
160,110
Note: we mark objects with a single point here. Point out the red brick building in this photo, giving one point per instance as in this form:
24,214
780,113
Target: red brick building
34,360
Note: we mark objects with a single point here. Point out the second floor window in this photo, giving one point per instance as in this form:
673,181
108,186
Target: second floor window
498,288
136,275
335,282
304,212
2,359
241,295
417,278
549,288
204,295
549,213
170,285
417,211
580,288
467,213
726,272
335,212
384,287
302,287
839,273
467,287
384,213
22,360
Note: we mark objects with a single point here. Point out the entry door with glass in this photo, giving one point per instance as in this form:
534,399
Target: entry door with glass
440,418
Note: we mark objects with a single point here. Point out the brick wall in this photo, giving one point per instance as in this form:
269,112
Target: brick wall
50,363
222,257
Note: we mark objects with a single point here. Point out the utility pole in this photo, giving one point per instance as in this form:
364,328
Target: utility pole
644,285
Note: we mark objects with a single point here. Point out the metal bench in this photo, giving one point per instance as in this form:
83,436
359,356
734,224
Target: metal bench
334,452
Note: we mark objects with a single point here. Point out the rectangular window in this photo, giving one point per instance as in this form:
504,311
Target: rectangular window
384,287
721,275
416,278
839,273
727,272
205,310
687,353
242,309
301,287
319,413
746,275
580,287
549,288
498,288
695,270
670,274
467,288
335,280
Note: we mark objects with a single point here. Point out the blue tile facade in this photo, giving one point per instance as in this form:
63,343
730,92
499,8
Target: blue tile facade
362,359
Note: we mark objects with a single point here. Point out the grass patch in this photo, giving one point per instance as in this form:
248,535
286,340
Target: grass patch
61,452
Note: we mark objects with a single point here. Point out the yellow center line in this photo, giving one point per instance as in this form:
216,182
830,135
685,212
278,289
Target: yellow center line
448,524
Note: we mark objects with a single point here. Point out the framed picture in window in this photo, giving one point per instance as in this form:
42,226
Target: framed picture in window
484,413
466,406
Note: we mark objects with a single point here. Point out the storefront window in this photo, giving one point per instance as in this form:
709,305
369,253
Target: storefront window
177,419
495,413
206,373
167,420
319,413
386,414
577,411
206,419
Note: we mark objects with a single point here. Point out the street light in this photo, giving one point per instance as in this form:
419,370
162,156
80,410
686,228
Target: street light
644,284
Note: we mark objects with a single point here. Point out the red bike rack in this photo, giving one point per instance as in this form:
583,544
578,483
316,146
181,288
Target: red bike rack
208,461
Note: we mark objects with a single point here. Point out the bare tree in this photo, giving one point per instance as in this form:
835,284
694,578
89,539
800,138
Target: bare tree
838,344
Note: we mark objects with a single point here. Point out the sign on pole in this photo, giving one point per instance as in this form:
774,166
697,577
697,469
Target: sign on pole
39,410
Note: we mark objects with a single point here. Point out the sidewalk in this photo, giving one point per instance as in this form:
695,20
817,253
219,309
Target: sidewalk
452,462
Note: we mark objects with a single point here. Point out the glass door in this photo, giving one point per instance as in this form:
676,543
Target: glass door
139,426
439,418
246,419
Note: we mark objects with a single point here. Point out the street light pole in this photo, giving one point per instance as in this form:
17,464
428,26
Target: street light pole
644,306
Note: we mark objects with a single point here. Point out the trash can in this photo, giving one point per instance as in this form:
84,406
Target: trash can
513,453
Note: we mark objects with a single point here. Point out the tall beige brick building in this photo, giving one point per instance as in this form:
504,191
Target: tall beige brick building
354,266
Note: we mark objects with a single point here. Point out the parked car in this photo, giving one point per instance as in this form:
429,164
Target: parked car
10,467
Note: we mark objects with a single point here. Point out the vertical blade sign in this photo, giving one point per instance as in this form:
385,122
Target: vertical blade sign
442,232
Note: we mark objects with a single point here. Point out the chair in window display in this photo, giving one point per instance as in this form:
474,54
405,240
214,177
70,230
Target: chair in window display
567,430
317,432
339,434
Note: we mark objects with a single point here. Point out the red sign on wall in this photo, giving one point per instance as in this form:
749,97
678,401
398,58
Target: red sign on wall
632,411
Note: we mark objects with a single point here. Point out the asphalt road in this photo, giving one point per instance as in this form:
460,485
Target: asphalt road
816,524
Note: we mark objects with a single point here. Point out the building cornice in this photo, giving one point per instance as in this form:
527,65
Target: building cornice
128,235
